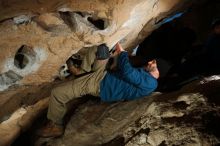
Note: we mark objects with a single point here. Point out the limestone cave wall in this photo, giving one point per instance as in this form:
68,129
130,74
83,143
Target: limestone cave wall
38,36
47,33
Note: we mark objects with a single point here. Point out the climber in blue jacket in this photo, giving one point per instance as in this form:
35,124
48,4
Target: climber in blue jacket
127,82
124,83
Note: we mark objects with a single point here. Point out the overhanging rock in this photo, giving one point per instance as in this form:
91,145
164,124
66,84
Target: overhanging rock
54,30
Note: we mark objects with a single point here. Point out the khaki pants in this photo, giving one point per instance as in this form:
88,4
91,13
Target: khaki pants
61,95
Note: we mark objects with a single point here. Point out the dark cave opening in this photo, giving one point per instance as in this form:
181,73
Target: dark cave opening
184,48
24,56
66,16
98,23
71,20
21,59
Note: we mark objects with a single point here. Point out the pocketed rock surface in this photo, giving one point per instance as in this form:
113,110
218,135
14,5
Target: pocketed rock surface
186,117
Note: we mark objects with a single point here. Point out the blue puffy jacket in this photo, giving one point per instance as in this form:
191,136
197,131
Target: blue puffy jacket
127,83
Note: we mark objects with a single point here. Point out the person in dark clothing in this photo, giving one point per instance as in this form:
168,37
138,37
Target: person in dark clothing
125,83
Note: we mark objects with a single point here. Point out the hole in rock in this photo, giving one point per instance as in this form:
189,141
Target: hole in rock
71,19
24,56
98,23
81,14
67,18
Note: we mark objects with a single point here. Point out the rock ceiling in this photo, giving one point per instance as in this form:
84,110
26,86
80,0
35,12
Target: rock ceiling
46,33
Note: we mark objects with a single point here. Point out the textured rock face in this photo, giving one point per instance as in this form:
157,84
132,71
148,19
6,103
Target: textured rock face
37,37
187,117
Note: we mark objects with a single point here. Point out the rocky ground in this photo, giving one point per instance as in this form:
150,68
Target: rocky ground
189,116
